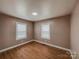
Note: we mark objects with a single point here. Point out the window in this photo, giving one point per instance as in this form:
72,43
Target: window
45,31
21,30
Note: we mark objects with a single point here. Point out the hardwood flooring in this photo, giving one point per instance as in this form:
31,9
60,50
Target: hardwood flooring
34,50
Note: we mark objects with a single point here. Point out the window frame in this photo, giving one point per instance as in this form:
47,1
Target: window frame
41,33
17,30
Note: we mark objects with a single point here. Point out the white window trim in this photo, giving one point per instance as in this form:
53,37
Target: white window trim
41,31
16,30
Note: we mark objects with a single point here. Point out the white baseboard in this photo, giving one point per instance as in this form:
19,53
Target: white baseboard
6,49
55,46
35,41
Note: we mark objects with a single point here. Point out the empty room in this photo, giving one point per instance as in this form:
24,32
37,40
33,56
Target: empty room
39,29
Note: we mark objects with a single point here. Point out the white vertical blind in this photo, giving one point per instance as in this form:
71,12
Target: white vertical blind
45,31
21,30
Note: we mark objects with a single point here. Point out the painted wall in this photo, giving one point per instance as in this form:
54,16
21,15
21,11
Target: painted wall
59,31
8,31
75,29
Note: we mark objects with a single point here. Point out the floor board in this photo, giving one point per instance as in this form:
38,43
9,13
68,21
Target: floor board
35,50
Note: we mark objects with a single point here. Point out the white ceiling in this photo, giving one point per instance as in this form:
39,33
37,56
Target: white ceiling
44,8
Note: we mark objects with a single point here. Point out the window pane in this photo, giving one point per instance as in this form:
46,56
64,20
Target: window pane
45,31
21,27
20,31
45,27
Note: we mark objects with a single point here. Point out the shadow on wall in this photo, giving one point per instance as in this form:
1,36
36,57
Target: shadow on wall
59,31
8,31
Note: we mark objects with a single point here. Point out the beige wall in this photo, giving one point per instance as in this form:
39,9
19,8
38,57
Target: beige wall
8,31
75,29
60,31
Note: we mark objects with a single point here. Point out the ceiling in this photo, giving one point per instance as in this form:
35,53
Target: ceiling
44,8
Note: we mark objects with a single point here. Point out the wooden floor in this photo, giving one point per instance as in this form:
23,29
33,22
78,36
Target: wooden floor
35,50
